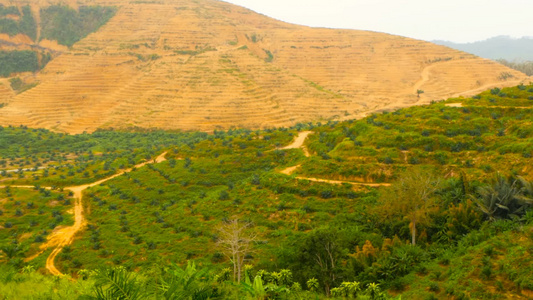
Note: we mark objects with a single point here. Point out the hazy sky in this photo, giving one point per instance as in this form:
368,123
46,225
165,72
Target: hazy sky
452,20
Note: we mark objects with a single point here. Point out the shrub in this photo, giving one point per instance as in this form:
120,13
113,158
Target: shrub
223,195
26,24
486,272
495,91
434,287
15,62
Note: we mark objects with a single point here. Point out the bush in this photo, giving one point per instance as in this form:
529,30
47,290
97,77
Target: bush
15,62
223,195
26,25
434,287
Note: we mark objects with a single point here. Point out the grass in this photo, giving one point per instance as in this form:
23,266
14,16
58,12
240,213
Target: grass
33,285
478,139
168,212
28,216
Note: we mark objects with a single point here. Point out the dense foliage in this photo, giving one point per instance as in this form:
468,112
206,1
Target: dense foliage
25,25
27,217
489,132
58,22
18,61
455,221
67,26
8,10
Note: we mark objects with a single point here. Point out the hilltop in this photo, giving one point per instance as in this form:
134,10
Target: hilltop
206,65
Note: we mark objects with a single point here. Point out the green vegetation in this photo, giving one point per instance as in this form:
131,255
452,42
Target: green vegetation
270,56
490,133
8,10
18,61
198,50
22,61
78,159
28,216
455,221
67,26
26,25
58,22
19,86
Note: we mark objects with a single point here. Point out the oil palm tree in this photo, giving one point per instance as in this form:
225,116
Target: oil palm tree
505,197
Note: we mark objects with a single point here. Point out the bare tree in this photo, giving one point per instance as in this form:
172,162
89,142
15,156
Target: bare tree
236,241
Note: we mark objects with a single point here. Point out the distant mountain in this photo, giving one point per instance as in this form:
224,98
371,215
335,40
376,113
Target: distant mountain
500,47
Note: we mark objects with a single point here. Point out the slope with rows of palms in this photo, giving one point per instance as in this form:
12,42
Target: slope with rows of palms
205,64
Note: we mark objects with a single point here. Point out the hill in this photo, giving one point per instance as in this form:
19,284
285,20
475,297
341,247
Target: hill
346,192
499,47
205,65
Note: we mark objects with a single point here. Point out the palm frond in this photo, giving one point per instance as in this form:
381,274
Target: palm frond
117,284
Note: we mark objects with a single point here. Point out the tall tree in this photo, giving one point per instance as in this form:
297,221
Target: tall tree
413,197
320,254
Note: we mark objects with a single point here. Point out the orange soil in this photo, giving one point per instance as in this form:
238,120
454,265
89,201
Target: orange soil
299,143
212,70
341,182
65,235
290,170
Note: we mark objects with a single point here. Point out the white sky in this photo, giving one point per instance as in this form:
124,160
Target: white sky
452,20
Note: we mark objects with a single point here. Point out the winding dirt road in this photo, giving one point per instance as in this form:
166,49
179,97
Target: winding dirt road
299,143
426,72
424,77
64,236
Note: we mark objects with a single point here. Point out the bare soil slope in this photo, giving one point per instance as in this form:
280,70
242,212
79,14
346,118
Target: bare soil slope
206,64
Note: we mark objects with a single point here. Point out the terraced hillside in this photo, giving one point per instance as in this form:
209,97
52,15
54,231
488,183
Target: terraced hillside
204,65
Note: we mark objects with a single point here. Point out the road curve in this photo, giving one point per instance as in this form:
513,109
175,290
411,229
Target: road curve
299,143
64,236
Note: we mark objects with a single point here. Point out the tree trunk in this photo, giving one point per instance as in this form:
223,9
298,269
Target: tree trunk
234,268
413,232
239,266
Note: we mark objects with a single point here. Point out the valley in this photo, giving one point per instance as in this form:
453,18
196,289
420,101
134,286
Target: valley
294,185
195,149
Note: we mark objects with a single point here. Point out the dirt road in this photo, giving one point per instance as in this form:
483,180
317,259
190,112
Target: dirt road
299,143
64,236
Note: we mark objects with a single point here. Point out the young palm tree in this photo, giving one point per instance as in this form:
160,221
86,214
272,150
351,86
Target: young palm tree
117,283
185,284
